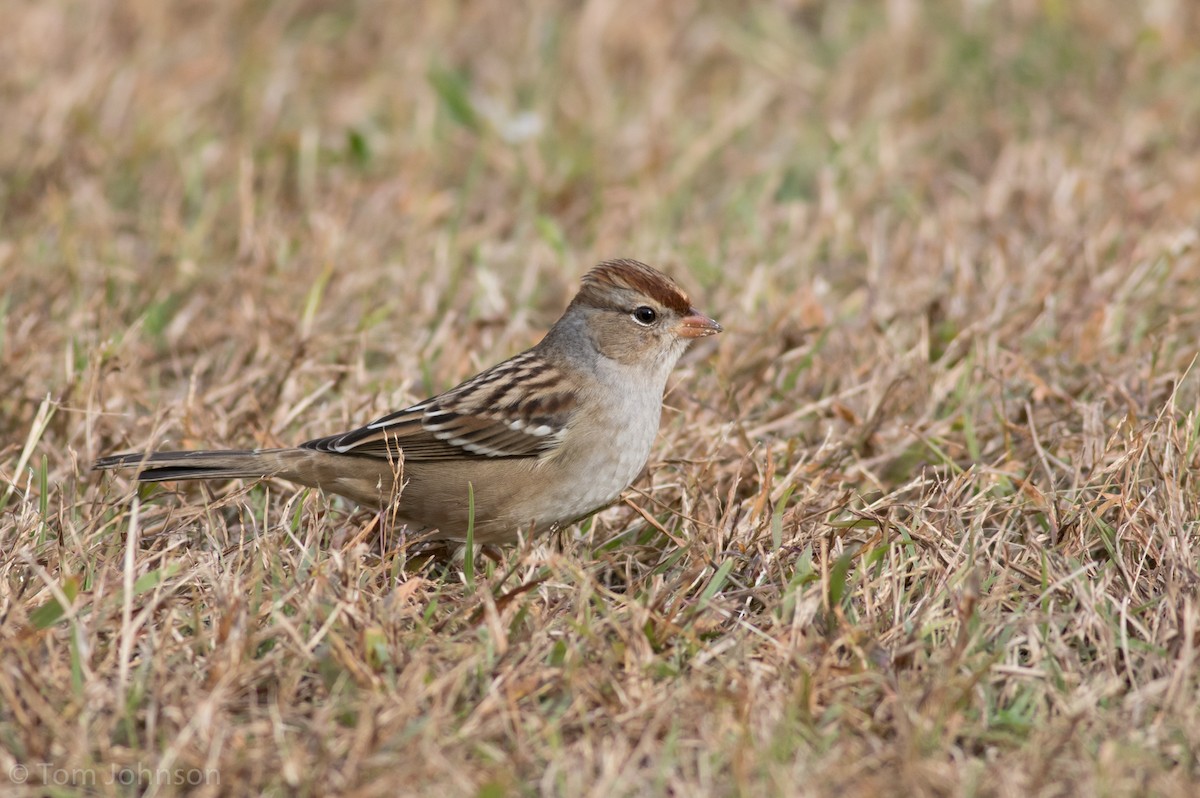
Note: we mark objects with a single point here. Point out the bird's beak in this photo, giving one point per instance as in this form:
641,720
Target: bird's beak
697,325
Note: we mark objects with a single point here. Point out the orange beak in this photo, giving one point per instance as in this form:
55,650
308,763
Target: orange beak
697,325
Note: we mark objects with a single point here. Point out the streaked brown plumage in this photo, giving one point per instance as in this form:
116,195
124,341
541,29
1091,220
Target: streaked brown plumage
544,438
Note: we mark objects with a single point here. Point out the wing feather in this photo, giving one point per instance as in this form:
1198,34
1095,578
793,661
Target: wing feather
492,415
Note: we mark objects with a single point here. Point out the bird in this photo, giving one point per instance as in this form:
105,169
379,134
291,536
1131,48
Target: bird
528,446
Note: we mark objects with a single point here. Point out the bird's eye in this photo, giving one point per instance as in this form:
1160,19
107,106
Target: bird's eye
645,315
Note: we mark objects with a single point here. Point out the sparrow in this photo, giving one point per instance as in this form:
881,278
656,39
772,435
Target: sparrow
532,444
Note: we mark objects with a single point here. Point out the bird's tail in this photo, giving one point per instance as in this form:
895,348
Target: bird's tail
233,464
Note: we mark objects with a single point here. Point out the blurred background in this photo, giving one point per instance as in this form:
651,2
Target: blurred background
357,170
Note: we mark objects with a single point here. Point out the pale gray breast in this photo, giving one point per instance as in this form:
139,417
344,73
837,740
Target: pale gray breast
619,429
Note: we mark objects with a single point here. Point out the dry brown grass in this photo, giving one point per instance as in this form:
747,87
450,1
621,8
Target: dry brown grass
925,521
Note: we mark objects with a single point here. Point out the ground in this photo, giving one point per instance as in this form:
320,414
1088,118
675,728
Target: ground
924,521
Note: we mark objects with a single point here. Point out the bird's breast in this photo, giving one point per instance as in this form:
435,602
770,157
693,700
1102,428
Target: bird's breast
609,447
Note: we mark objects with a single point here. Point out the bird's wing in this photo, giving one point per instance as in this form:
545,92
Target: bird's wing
519,408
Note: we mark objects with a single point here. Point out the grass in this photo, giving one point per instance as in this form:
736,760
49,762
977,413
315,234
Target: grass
924,521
